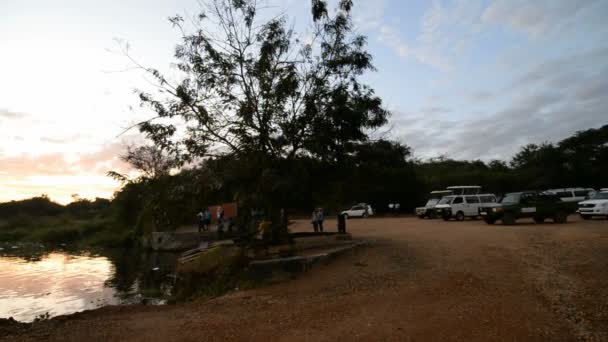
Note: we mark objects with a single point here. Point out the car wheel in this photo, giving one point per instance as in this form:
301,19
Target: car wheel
560,217
446,217
508,218
420,216
460,216
586,217
539,219
433,215
345,216
489,221
366,215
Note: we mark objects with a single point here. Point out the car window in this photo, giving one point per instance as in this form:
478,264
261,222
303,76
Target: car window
488,199
446,200
511,198
581,193
600,195
457,200
432,201
527,198
357,207
564,194
472,199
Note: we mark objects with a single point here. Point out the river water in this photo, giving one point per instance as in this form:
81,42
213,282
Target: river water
37,281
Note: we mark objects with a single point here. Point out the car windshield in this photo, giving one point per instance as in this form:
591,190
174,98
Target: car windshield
600,195
432,201
511,198
446,200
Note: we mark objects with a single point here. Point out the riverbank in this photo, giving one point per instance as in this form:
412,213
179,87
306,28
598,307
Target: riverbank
96,231
420,280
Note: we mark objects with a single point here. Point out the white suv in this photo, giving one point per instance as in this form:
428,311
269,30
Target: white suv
459,207
359,210
596,206
573,194
429,208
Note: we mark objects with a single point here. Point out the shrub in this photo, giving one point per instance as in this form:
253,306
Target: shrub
57,235
12,235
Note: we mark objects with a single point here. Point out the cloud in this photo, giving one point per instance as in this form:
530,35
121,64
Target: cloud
423,54
25,176
434,110
480,96
7,114
538,17
446,33
369,15
389,37
56,164
63,140
548,101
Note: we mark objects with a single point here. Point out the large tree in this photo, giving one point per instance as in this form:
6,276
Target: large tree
258,87
254,90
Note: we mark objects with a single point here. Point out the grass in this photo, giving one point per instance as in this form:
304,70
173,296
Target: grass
64,229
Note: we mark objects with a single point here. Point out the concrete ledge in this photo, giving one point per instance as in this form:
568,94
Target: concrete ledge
300,263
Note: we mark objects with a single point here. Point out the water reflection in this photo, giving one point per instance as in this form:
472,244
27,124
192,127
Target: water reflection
35,282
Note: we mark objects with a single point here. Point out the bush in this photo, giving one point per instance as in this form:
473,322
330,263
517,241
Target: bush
57,235
12,235
90,228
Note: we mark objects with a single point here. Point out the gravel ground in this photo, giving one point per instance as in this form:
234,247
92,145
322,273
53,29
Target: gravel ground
419,280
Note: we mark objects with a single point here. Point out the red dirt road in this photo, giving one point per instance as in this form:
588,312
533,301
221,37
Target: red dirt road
419,280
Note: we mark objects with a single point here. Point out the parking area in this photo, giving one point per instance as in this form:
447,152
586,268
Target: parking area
419,280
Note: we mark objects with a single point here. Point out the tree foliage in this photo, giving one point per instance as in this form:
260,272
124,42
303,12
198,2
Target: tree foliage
254,87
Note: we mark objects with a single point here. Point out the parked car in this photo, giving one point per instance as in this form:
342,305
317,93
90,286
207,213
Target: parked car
573,194
359,210
528,204
596,206
429,208
459,207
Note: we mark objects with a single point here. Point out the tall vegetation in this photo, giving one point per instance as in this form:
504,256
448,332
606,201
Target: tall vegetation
262,99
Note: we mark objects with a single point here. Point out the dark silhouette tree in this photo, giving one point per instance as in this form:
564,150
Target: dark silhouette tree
255,87
257,92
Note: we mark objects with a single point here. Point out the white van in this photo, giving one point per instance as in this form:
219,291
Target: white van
573,194
465,189
459,207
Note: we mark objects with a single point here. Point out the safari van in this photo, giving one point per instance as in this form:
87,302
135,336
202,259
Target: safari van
461,206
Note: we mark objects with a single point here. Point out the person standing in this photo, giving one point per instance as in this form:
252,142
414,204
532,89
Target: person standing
320,218
315,220
220,219
207,219
201,220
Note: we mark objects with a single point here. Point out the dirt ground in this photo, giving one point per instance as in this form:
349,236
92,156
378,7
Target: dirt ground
419,280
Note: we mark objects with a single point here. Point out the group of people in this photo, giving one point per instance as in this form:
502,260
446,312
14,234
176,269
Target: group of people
394,208
204,219
317,219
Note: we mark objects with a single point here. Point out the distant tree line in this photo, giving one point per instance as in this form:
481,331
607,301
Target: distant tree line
40,206
376,172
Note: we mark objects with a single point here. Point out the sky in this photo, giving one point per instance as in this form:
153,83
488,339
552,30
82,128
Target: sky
465,79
